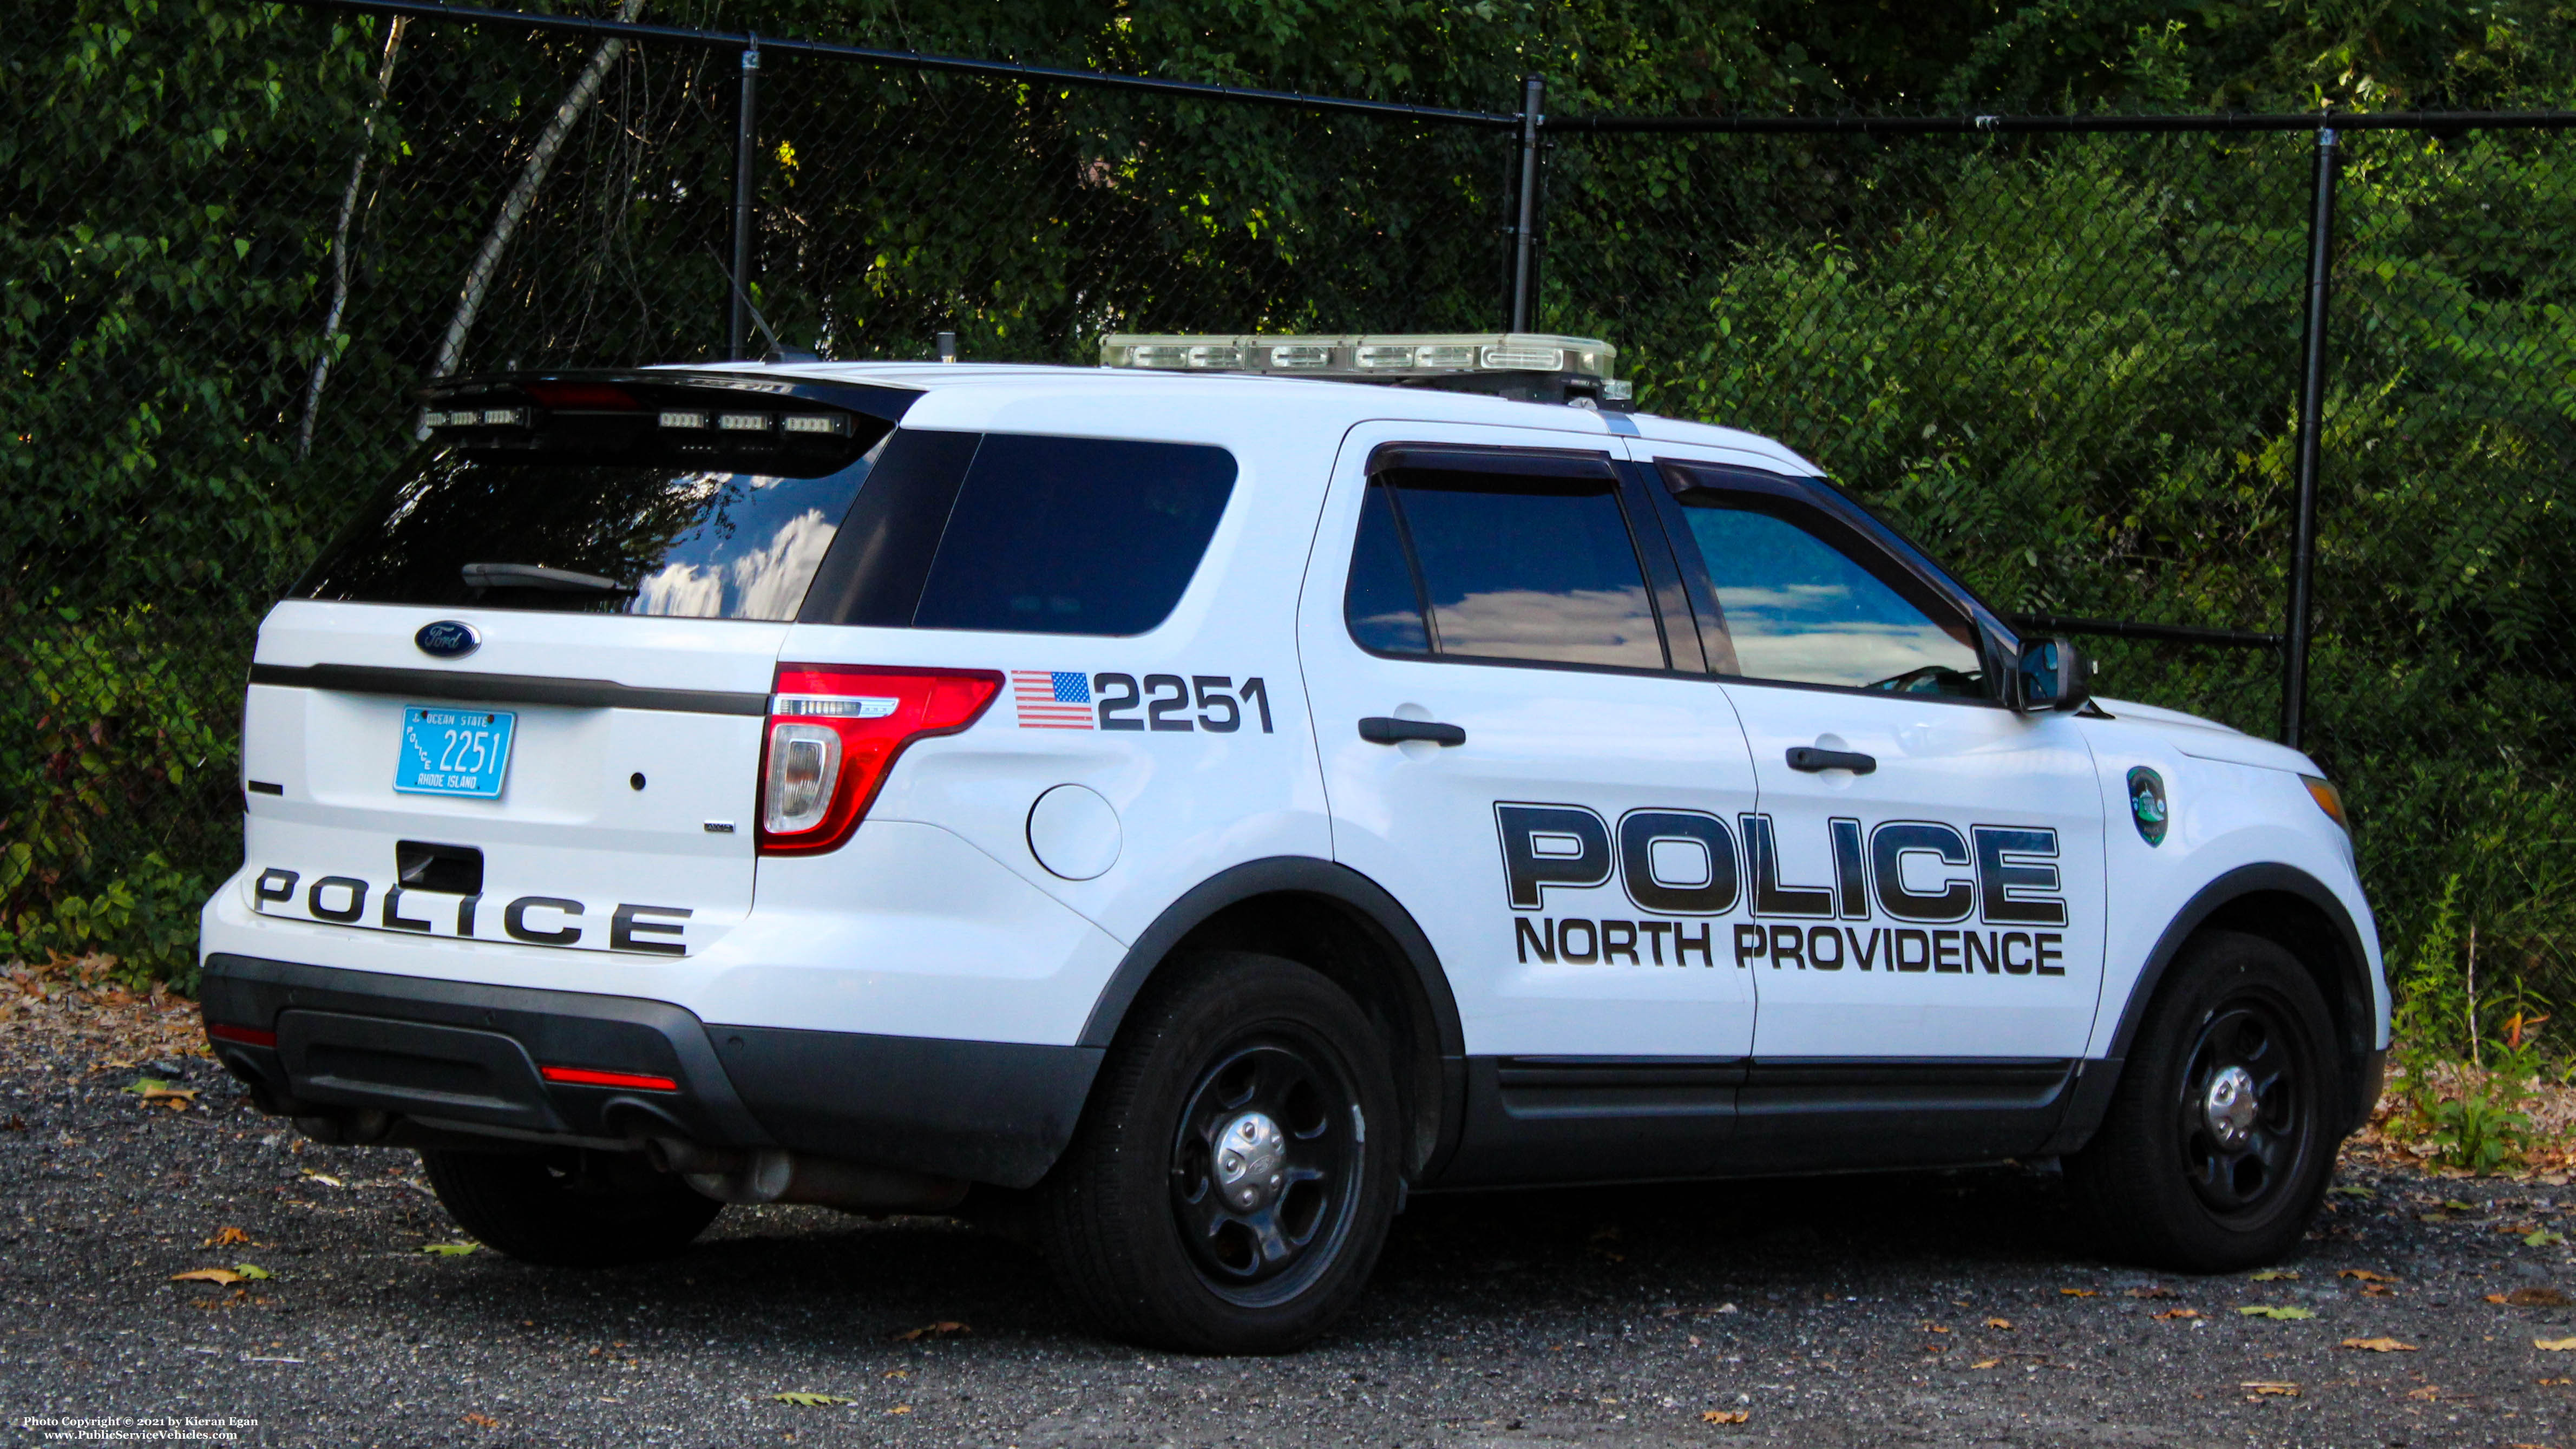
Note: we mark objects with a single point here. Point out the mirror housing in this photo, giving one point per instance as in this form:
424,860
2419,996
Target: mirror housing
2052,674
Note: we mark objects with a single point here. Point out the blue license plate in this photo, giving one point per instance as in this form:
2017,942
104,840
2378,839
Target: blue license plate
454,751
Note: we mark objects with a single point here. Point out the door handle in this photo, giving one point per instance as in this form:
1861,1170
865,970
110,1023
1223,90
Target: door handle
1811,759
1380,730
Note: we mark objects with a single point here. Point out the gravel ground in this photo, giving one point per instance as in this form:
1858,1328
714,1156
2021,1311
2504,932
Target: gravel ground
1930,1308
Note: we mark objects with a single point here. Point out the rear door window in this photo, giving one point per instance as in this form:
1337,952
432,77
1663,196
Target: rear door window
1501,565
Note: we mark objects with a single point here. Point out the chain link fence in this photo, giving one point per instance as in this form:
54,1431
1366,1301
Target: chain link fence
2068,362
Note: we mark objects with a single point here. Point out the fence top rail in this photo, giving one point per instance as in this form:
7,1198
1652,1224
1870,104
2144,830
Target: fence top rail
2440,123
1052,75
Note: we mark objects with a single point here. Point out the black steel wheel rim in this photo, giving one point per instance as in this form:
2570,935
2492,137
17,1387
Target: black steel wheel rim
2244,1105
1264,1213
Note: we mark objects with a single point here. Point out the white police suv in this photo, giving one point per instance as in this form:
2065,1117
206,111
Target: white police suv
1198,800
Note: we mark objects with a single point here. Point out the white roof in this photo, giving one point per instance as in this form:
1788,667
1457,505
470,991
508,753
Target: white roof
1032,397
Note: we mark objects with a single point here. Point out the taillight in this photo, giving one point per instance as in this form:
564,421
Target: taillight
834,732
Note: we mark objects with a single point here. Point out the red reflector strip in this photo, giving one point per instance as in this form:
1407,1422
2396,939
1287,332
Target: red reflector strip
245,1035
585,1077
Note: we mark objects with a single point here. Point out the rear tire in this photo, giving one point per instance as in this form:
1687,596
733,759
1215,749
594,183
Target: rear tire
568,1209
2221,1135
1232,1180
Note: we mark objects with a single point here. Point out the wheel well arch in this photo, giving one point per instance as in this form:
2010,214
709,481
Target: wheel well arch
2294,910
1340,923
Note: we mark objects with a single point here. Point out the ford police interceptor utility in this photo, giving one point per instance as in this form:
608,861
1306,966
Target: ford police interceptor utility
1193,802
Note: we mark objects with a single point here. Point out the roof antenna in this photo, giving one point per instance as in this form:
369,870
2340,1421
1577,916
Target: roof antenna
946,343
778,351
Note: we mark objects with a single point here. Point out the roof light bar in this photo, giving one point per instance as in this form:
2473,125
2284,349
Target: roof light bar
1536,367
1377,355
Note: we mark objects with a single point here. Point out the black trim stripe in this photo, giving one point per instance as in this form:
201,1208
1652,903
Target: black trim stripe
506,688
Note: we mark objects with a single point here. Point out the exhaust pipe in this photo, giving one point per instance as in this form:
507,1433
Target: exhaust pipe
770,1174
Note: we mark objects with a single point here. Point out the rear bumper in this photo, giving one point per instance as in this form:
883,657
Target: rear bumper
462,1057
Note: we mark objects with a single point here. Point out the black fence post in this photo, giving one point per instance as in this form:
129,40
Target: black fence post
2312,407
1525,224
738,328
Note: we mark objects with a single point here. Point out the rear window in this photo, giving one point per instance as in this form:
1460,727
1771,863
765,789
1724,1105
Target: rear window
1024,534
641,498
646,507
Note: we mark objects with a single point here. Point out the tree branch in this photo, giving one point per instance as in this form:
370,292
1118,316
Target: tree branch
514,208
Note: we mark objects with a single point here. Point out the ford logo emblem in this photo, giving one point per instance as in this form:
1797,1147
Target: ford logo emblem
448,639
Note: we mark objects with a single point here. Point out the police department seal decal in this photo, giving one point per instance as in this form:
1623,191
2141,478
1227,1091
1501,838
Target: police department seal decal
2147,804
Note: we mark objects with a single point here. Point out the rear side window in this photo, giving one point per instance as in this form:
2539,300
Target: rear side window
1500,566
1025,534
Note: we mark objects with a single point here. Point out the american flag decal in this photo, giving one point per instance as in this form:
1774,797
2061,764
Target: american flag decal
1052,699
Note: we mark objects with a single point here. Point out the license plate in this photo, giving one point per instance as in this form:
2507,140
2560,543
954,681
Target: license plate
454,751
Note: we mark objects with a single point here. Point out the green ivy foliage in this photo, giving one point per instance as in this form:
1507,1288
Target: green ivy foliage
2066,364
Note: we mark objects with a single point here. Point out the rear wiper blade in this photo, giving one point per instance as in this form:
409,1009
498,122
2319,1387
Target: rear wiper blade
538,576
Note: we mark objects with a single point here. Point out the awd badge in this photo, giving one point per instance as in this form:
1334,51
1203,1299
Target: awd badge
2147,804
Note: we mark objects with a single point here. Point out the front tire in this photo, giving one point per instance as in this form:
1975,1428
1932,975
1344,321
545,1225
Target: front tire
2221,1135
1233,1178
569,1209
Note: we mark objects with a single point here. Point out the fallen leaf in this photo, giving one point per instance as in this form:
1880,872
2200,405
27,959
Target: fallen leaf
2379,1345
2366,1276
450,1250
898,1373
2079,1292
225,1238
482,1421
2428,1393
2275,1275
2154,1290
943,1329
153,1089
220,1277
2432,1217
2176,1313
1934,1328
323,1178
252,1271
808,1400
2270,1388
2554,1381
2377,1290
2531,1298
1725,1416
2554,1345
2351,1189
1985,1363
2266,1310
1999,1323
2457,1206
900,1409
2542,1238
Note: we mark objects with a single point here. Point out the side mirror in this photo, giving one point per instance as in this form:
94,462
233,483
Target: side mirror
2053,675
